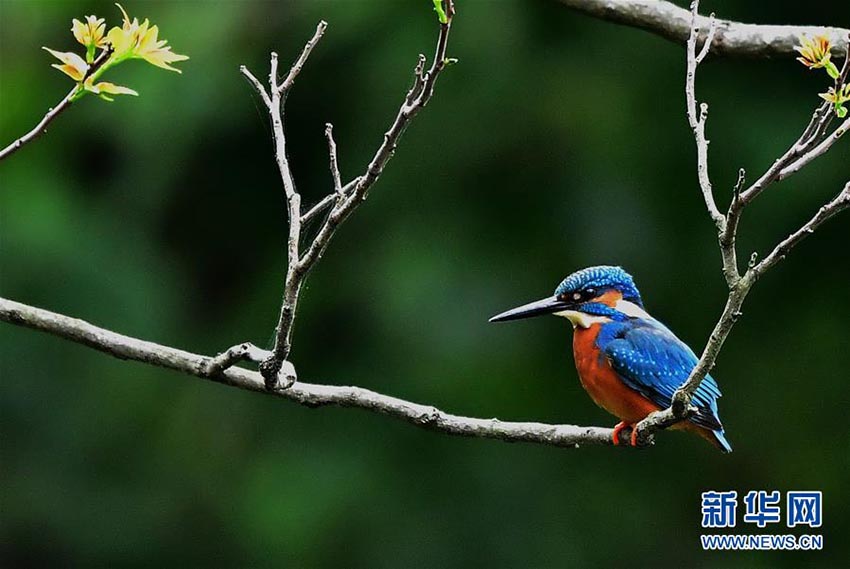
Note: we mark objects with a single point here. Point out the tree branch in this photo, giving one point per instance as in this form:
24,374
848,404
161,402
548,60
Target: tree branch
697,119
671,22
818,150
812,143
328,201
233,355
310,395
54,112
838,204
329,134
274,99
42,125
344,199
255,83
681,407
302,59
416,99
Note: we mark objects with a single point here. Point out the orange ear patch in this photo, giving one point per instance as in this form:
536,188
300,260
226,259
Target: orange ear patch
609,298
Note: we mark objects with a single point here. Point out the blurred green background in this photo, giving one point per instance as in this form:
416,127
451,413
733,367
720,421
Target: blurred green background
557,142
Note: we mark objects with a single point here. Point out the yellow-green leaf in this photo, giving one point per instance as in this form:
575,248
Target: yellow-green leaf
112,89
73,65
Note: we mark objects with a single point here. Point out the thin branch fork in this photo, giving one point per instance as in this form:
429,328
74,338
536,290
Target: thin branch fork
697,118
328,201
838,204
219,370
813,142
681,407
815,152
416,99
274,98
344,198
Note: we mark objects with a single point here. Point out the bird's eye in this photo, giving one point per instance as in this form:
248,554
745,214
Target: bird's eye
590,292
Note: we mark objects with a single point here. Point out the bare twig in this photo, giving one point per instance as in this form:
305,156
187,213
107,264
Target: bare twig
815,152
255,83
339,190
328,201
728,235
415,100
669,21
697,118
310,395
233,355
712,29
329,134
42,125
813,142
836,205
820,119
302,59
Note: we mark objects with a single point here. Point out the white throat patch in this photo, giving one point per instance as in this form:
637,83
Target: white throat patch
581,319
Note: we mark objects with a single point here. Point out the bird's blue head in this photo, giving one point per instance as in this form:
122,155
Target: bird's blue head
592,282
602,292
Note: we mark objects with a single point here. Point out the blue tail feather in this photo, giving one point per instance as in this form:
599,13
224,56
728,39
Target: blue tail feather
724,445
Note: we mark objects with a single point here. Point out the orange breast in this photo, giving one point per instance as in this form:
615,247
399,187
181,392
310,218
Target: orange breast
602,383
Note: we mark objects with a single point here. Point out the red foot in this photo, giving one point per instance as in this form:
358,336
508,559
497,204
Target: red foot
615,436
634,437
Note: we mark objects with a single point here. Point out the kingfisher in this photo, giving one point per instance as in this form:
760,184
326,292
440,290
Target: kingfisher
628,362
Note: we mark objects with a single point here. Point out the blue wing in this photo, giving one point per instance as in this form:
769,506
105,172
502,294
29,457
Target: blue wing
650,359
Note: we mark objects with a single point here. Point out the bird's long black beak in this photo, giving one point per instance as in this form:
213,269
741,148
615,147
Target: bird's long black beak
538,308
